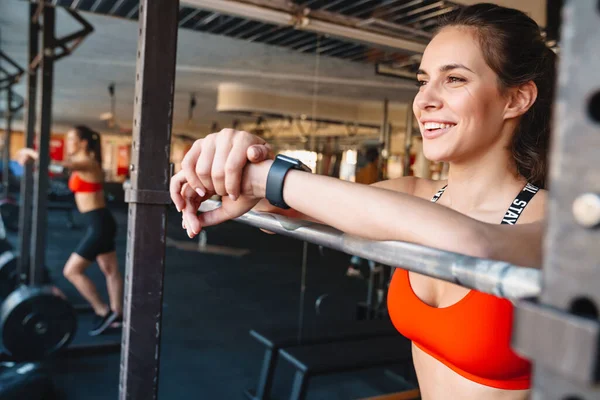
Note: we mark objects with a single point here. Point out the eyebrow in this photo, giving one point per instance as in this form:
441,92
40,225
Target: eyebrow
446,68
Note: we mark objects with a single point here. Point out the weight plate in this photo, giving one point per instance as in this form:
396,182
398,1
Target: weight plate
8,273
36,322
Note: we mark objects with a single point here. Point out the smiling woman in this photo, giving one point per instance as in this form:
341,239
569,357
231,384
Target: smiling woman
485,89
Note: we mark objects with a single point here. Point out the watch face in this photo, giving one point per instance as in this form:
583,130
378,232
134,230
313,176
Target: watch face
295,162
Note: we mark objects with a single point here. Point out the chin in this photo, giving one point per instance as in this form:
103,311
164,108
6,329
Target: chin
436,152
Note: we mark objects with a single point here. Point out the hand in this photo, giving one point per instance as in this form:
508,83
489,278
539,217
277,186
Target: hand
215,164
253,185
26,154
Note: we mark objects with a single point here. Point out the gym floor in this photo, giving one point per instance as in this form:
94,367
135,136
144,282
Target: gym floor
211,302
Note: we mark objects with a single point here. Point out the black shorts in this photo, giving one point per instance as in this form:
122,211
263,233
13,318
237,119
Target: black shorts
100,235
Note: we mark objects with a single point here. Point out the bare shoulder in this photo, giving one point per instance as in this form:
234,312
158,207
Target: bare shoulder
419,187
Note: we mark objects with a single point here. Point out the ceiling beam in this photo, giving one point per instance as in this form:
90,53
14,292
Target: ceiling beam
307,23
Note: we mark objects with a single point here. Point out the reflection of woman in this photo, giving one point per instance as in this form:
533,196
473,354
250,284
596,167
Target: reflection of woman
485,93
86,181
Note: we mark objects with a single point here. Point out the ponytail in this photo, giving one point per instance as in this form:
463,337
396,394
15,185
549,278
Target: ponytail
93,140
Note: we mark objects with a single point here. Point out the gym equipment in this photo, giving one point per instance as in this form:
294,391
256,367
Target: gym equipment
25,381
36,322
5,245
276,339
8,273
499,278
9,212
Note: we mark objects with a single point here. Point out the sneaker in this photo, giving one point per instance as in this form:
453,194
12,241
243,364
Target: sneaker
104,323
118,323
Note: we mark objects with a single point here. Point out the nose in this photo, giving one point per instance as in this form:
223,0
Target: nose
428,98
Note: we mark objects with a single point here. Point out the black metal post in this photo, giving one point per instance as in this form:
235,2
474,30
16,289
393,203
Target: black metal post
408,140
7,134
25,199
148,198
384,142
40,193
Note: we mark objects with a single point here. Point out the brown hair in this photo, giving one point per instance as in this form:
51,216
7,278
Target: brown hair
94,145
514,48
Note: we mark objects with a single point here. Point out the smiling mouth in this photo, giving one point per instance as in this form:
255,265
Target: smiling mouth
432,130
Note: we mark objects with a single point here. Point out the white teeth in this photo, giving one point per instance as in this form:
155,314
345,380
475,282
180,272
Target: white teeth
436,125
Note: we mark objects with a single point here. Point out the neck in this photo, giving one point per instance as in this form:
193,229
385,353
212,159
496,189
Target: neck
479,183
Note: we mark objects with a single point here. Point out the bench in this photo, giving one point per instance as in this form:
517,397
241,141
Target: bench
68,207
328,358
276,339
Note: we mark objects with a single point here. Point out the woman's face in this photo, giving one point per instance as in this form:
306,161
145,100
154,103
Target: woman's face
459,105
74,143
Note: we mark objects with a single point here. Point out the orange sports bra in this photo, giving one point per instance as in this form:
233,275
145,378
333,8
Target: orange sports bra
78,185
472,336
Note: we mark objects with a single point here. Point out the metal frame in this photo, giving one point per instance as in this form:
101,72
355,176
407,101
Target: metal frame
144,276
32,266
26,197
561,333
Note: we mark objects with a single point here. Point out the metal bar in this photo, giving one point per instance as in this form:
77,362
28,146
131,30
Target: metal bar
145,261
401,7
272,39
235,27
40,193
132,12
352,6
26,197
251,11
419,10
116,7
330,5
223,20
257,27
560,333
347,54
355,48
297,45
206,20
96,5
431,15
301,39
331,43
489,276
6,152
189,17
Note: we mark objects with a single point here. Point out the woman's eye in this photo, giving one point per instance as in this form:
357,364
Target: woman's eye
421,83
454,79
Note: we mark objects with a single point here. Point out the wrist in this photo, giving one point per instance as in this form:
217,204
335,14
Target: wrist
259,178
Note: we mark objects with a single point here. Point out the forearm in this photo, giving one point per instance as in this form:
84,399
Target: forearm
380,214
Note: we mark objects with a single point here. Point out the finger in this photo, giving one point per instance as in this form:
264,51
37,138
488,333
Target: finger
190,211
234,166
204,164
260,152
188,165
175,187
222,151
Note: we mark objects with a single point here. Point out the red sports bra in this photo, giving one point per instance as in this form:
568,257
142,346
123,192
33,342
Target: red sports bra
78,185
472,336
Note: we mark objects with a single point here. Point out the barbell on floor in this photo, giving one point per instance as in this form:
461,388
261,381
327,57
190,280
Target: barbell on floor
498,278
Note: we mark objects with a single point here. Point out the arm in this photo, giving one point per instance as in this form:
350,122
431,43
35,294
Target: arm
84,165
403,185
380,214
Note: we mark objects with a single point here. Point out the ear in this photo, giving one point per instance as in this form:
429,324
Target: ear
520,99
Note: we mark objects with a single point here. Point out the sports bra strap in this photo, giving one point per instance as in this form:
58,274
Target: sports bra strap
519,203
439,194
513,213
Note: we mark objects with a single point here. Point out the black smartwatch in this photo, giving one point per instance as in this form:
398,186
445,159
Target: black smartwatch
277,173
